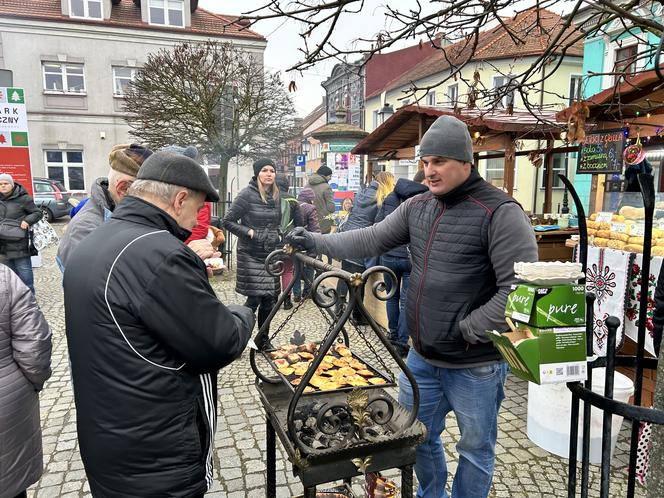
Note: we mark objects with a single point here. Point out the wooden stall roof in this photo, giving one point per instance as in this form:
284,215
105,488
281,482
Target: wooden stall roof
643,93
404,128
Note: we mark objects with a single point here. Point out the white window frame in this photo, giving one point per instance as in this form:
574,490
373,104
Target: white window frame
65,165
63,74
453,101
484,168
567,158
572,78
636,62
431,97
115,77
375,118
608,80
86,10
504,102
167,18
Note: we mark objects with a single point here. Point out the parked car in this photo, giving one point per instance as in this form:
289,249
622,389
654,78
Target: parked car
51,197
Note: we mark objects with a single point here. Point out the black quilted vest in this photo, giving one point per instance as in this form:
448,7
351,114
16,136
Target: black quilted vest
452,273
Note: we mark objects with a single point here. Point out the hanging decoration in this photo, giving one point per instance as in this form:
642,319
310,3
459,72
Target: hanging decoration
576,123
634,153
607,276
535,158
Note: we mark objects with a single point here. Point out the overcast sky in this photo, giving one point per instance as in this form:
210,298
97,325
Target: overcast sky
282,47
284,41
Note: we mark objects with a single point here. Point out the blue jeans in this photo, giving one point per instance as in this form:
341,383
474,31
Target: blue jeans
23,268
396,305
308,276
474,395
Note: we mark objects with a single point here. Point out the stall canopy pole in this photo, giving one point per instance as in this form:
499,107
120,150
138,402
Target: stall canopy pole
508,165
548,177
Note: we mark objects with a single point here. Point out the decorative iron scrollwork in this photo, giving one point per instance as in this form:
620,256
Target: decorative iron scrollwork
274,263
365,415
379,288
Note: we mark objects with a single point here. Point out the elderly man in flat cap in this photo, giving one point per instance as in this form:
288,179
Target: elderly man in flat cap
146,337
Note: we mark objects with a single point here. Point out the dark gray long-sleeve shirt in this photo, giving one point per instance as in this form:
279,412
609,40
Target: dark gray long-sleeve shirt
511,239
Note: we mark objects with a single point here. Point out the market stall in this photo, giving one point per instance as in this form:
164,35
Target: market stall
502,131
622,133
546,343
615,262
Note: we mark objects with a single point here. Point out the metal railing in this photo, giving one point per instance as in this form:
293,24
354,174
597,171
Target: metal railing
605,402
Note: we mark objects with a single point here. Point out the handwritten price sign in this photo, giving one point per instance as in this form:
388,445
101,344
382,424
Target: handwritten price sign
601,152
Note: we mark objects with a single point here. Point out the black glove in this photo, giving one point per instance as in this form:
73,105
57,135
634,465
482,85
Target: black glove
300,239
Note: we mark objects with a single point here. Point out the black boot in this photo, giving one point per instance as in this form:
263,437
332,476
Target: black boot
287,303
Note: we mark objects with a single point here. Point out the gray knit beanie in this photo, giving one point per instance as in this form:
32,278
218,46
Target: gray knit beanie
6,177
448,137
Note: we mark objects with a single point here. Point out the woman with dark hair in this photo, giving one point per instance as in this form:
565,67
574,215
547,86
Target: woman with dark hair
254,218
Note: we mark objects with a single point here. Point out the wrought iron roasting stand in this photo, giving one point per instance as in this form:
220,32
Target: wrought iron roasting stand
367,405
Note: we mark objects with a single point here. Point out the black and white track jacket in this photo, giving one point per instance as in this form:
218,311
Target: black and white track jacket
146,336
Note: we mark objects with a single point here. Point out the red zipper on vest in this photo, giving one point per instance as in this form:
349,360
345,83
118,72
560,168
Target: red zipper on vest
424,271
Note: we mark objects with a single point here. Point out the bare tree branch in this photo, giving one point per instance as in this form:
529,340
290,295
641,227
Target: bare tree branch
214,96
454,27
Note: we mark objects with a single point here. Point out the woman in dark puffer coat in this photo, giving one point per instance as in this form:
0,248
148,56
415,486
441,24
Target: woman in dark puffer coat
254,217
25,364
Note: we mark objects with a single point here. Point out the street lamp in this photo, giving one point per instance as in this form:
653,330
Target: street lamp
306,146
386,111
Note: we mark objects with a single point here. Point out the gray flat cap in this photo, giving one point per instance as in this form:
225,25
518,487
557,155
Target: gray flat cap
177,169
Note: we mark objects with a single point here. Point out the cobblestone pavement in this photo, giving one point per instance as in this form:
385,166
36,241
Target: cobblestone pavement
522,469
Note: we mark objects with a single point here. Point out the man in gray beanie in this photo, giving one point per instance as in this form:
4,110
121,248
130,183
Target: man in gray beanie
465,236
147,336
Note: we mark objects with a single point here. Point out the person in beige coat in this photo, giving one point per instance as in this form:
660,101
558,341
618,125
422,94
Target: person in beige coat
25,364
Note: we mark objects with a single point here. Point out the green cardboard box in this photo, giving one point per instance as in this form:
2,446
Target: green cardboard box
547,306
547,356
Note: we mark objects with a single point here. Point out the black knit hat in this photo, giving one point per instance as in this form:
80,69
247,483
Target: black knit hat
177,169
324,171
259,164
